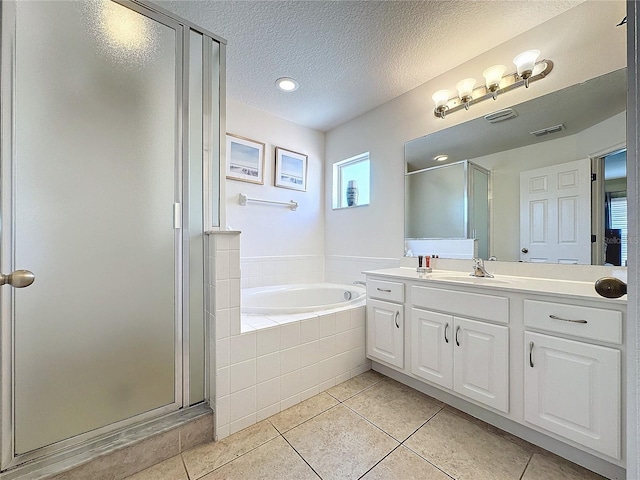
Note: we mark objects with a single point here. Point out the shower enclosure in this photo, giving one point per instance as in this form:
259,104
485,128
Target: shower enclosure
109,177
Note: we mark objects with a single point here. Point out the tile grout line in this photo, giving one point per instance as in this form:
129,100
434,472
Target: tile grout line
380,461
527,465
300,455
185,467
237,457
302,423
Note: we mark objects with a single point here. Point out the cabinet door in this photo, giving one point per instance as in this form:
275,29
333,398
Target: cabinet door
432,347
385,332
481,362
573,389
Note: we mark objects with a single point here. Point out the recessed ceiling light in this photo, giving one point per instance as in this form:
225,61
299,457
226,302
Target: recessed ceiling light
441,158
287,84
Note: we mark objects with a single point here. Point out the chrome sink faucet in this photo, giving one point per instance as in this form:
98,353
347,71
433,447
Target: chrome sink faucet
478,269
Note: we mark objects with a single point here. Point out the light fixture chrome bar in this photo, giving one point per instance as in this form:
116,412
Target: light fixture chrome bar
481,93
243,199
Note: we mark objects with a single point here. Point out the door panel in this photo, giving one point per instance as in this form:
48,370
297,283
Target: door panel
385,327
94,184
481,362
555,206
432,346
573,389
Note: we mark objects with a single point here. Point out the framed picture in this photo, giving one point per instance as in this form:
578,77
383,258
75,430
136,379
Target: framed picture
291,170
245,159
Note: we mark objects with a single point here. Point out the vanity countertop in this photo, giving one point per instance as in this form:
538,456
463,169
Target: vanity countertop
552,287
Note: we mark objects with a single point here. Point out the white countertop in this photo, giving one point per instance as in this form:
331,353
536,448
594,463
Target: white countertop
560,288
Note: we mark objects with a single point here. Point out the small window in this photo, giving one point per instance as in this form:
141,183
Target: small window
351,182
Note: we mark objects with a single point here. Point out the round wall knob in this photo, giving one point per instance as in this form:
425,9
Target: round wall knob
525,250
18,279
611,287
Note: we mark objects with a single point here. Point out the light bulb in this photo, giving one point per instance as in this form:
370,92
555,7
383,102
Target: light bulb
492,76
525,63
465,90
441,97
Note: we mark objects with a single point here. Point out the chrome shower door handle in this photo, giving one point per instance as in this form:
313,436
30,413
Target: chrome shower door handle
18,279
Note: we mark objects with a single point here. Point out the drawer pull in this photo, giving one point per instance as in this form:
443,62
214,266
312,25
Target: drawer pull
531,354
566,319
446,327
384,290
457,330
396,319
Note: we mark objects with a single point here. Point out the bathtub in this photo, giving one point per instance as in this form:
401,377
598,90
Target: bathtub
300,298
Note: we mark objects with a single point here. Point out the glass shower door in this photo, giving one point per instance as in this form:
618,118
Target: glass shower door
90,180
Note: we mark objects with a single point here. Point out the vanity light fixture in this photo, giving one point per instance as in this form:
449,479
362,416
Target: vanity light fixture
287,84
527,70
440,98
465,91
525,62
493,76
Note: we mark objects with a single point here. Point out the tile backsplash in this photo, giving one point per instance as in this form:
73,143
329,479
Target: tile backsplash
281,270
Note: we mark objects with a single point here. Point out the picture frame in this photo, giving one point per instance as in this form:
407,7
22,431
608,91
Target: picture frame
291,169
245,159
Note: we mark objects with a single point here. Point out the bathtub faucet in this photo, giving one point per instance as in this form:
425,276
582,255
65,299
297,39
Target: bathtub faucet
360,282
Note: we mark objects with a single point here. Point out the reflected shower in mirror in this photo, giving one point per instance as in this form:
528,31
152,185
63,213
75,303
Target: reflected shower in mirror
542,156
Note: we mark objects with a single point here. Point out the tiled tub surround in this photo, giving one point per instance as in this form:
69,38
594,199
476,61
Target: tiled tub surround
258,373
281,270
264,371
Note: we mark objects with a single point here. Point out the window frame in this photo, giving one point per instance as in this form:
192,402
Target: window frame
339,185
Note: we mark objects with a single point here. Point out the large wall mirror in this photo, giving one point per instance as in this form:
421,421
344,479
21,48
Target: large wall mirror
544,203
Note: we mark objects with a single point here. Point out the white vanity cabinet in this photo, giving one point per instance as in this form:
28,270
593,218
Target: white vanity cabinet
467,356
531,356
385,322
573,387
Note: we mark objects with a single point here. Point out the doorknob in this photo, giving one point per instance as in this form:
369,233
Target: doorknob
525,250
611,287
18,279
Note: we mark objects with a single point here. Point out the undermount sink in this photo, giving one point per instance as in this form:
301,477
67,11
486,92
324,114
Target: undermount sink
470,279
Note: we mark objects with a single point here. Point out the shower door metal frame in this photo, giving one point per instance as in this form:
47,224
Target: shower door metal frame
105,434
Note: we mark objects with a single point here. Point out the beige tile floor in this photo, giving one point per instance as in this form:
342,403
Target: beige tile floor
369,427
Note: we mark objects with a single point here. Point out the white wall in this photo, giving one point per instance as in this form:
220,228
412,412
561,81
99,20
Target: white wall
598,48
269,230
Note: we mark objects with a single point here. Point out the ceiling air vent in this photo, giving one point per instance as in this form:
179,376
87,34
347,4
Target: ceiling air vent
501,115
548,130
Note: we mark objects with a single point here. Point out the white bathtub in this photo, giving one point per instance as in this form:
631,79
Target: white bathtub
285,299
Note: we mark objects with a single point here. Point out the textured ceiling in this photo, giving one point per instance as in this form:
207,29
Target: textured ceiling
351,56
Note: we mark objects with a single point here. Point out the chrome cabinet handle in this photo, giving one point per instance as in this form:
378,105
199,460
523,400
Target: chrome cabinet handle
531,354
554,317
457,330
18,279
396,319
383,290
446,327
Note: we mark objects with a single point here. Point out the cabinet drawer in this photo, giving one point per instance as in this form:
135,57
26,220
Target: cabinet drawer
385,290
586,322
474,305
